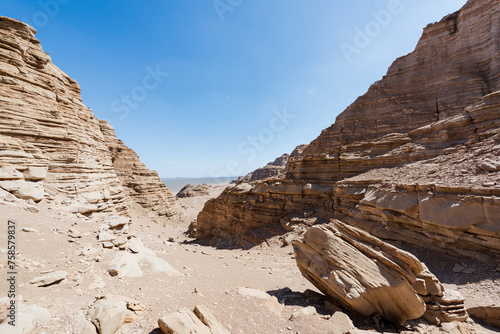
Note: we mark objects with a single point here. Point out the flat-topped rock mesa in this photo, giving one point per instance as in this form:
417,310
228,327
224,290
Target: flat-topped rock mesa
415,159
53,147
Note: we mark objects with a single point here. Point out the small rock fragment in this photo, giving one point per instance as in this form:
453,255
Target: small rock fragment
340,323
25,323
105,236
304,312
107,244
273,305
468,271
49,279
83,326
29,230
107,315
253,293
182,321
458,268
73,233
208,318
42,315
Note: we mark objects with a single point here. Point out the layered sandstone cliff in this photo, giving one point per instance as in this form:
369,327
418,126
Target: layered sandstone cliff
415,159
53,147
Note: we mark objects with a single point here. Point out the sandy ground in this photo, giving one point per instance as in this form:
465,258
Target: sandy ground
208,276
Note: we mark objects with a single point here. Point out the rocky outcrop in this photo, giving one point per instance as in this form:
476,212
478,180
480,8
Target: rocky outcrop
415,159
370,277
142,185
193,191
52,146
272,169
454,63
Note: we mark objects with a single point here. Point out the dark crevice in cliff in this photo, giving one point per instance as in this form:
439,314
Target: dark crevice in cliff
437,110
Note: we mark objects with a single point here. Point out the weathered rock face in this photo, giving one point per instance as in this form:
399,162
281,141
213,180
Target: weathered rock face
52,144
415,159
272,169
141,184
454,63
193,191
370,277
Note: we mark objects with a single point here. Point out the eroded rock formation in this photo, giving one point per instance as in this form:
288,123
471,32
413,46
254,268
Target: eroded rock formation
370,277
52,146
414,159
272,169
193,191
142,185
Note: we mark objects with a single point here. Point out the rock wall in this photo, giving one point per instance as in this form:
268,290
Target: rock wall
53,147
415,159
142,185
455,62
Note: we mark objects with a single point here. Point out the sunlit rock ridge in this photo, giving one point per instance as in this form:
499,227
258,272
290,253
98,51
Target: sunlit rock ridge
415,159
53,148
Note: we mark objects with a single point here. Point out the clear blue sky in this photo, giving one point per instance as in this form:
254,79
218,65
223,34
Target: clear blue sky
223,69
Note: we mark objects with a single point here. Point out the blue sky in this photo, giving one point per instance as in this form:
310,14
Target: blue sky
204,88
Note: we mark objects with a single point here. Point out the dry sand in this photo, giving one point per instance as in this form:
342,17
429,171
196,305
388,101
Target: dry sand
209,276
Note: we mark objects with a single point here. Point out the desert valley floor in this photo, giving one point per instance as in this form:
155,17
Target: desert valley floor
204,275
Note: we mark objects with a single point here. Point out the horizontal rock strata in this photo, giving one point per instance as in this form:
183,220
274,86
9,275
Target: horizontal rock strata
415,159
142,185
51,144
272,169
454,63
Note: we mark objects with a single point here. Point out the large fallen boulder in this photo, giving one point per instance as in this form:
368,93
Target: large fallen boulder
489,314
370,277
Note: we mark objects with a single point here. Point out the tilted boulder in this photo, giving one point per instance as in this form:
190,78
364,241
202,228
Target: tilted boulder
489,314
370,277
